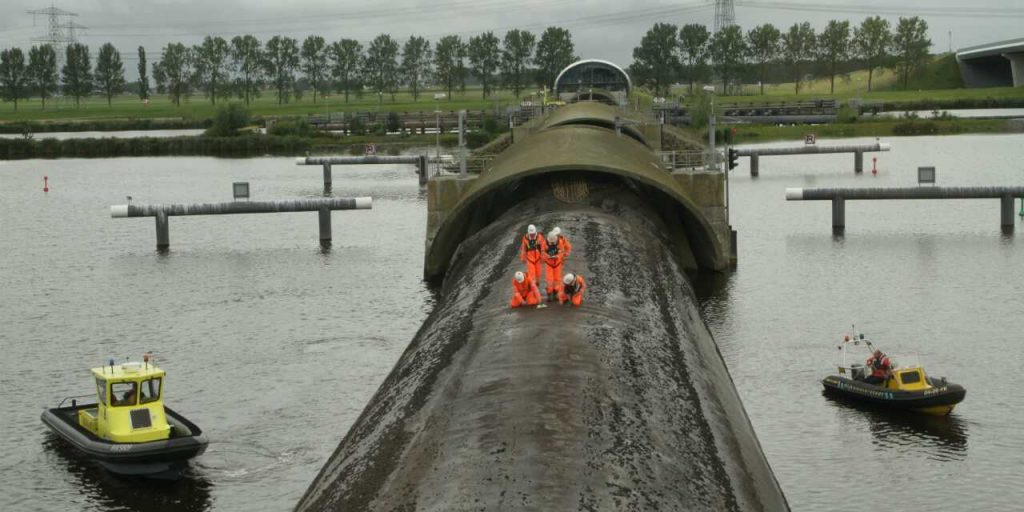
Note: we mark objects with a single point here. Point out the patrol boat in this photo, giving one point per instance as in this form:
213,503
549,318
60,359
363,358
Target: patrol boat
906,387
126,428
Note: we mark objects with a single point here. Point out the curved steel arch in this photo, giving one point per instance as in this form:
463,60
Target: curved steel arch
573,149
629,82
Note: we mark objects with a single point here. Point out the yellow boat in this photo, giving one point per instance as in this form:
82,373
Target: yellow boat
905,387
126,428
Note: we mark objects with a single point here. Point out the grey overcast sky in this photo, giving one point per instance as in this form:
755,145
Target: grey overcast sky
601,28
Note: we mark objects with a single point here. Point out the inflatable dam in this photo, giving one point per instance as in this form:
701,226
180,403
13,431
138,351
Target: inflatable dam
622,404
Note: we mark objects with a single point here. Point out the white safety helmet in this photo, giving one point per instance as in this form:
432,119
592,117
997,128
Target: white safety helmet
552,237
532,230
520,277
556,230
569,278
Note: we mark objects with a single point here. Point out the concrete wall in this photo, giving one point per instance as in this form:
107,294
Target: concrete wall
993,71
443,193
1016,67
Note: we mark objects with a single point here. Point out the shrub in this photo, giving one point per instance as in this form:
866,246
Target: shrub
228,120
291,127
394,122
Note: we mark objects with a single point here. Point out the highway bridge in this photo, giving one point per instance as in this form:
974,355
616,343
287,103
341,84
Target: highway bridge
999,64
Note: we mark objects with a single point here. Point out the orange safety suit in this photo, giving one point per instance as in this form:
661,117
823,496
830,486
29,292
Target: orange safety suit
525,292
565,243
554,257
531,252
573,292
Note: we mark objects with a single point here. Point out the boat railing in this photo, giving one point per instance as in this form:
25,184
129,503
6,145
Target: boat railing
74,400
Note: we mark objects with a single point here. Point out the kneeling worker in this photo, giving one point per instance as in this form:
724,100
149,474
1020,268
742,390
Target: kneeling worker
572,289
524,291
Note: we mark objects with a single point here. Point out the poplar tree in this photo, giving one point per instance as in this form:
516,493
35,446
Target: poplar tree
834,48
77,72
484,59
210,63
416,55
143,77
656,60
381,65
693,44
42,71
764,48
13,75
516,56
871,42
247,55
280,59
797,47
448,62
555,51
314,62
346,61
910,46
109,71
729,52
173,73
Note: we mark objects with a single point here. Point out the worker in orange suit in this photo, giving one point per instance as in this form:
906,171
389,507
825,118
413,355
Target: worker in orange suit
572,289
554,257
563,240
524,291
531,252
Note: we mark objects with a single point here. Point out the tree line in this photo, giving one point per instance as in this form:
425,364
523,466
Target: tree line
244,67
668,54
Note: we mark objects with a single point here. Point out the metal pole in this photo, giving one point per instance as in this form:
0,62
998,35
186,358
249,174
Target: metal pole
327,178
163,238
1006,210
325,225
423,169
838,213
462,143
437,143
755,165
858,162
711,135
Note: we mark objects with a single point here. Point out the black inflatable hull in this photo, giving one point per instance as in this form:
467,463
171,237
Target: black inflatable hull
159,459
940,399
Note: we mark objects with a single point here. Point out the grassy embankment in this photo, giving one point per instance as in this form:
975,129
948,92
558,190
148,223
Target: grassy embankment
198,109
936,88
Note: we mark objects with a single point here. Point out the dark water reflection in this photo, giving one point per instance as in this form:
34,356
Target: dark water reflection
942,437
189,493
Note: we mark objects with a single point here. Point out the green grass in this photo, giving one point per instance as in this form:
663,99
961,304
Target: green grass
128,106
939,81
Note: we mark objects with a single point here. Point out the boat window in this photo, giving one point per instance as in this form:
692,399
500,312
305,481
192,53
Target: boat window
150,391
123,393
101,389
910,377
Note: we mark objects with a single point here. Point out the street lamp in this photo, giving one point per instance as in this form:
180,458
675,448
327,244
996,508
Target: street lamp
437,135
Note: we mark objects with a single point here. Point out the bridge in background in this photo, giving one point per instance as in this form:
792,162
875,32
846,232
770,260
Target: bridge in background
998,64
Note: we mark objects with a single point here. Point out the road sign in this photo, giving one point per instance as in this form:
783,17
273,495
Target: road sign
371,149
809,139
925,175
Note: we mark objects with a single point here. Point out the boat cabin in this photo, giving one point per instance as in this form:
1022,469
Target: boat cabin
907,379
129,406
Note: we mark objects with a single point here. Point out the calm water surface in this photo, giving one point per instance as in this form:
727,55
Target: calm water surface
125,134
273,346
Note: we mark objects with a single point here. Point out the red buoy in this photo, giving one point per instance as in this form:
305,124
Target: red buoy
874,166
46,183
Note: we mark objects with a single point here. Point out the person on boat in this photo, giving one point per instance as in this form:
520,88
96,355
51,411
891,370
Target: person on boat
880,366
531,252
554,257
524,291
572,289
562,240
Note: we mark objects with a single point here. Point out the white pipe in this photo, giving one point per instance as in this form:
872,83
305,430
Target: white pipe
794,194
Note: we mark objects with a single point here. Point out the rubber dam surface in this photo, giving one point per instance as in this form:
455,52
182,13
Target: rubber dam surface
622,404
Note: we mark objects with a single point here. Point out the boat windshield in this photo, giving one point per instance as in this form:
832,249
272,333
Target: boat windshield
123,393
150,390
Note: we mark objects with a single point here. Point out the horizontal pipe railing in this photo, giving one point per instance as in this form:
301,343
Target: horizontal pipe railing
839,196
162,212
355,160
236,207
824,194
814,149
